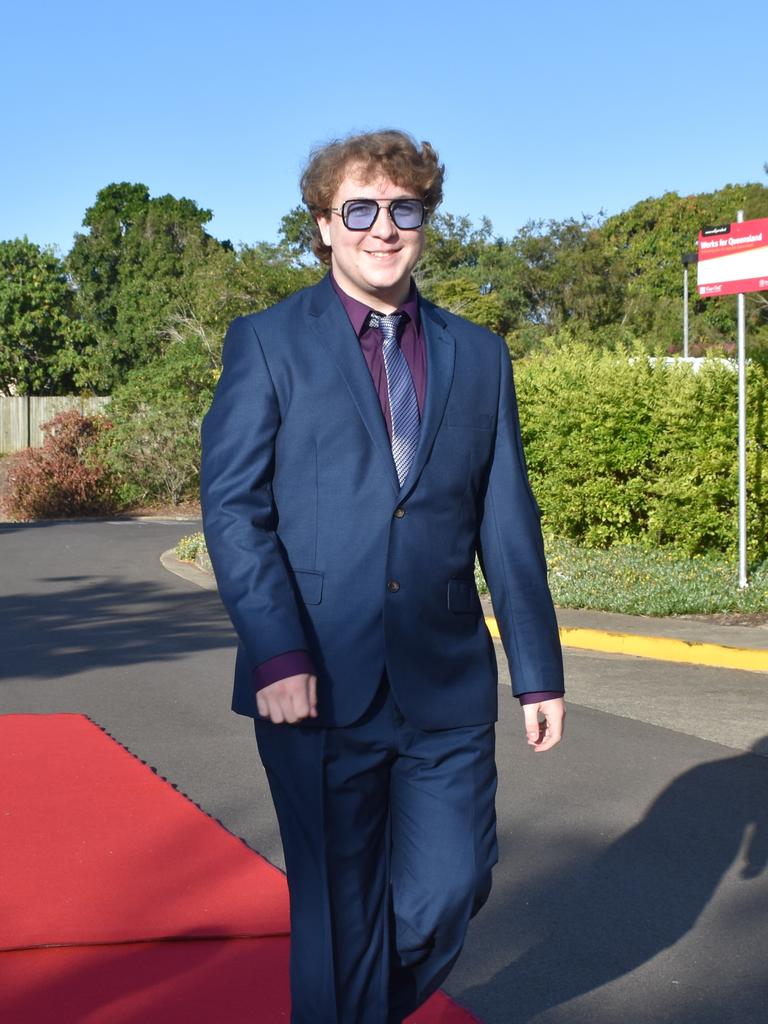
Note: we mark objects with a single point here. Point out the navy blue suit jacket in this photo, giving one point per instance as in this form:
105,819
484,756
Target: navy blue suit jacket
315,545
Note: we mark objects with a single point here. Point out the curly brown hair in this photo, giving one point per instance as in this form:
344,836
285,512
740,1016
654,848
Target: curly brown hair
390,153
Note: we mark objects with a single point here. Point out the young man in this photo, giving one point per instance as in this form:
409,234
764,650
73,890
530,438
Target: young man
362,447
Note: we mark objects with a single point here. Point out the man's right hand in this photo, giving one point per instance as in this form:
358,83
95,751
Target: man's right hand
289,700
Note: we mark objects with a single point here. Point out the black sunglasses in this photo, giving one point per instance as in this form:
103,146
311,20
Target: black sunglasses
361,214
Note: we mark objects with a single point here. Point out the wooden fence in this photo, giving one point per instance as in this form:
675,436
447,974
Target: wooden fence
22,417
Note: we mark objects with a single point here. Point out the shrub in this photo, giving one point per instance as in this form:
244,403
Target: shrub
65,477
154,444
190,547
623,449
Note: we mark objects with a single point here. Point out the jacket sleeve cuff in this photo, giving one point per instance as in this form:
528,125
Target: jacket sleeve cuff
292,663
538,696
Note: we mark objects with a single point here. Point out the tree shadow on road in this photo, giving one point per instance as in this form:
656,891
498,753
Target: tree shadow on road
87,622
643,894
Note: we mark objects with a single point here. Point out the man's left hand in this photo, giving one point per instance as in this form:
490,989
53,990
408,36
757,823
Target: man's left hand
542,735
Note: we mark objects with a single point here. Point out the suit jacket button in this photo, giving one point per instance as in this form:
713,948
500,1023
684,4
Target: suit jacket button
393,586
399,512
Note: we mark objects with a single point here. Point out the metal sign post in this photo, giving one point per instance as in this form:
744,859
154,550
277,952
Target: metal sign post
685,311
742,433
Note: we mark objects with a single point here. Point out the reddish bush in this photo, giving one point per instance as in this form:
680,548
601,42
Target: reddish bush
65,477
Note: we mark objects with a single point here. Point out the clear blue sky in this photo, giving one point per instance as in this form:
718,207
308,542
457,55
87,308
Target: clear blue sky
540,110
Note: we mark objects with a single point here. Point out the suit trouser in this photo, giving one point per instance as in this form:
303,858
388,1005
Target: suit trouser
389,834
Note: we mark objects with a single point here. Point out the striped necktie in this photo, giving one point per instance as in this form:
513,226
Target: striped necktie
403,405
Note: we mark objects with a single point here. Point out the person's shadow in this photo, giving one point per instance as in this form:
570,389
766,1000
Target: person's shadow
645,891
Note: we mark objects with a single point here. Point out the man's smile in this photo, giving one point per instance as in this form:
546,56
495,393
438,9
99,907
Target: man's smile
373,266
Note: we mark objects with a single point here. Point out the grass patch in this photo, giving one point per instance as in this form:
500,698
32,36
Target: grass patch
661,581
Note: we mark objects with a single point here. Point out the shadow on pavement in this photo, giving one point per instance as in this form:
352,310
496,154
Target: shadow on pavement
86,622
643,894
8,526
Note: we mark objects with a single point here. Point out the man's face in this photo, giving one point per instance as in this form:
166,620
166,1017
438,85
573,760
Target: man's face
373,266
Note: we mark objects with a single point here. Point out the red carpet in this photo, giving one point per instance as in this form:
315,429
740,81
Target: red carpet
101,860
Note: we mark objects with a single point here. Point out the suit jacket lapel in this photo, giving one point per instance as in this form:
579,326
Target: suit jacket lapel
335,332
441,354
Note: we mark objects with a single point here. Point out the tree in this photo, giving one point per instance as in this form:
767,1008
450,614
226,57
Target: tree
471,272
451,244
265,274
461,295
95,259
567,274
41,337
648,241
231,283
297,229
134,270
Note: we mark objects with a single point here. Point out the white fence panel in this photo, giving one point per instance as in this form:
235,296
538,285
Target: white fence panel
13,424
22,417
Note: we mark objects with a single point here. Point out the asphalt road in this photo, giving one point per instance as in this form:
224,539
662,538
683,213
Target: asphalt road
632,885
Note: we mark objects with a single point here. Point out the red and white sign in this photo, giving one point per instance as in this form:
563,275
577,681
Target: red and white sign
733,258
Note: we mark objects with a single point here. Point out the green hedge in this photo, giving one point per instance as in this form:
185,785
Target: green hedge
624,449
154,444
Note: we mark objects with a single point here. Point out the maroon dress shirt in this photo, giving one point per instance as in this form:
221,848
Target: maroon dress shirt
293,663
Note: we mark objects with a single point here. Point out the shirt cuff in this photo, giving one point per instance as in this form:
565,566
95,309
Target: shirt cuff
539,695
292,663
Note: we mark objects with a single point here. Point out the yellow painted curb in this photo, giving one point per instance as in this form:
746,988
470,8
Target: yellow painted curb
688,652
